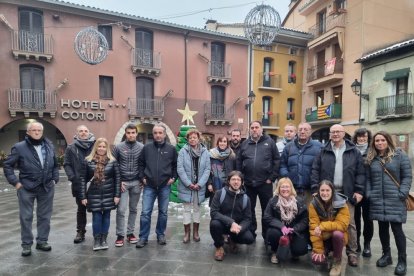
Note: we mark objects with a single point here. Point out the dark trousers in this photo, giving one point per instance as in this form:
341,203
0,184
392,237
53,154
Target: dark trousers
399,236
298,244
218,229
368,231
265,193
80,216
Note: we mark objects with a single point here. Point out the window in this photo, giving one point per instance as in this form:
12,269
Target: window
267,113
217,59
32,85
321,22
145,96
217,101
319,98
401,85
267,72
144,48
293,51
337,94
107,33
31,30
291,71
106,87
340,4
290,115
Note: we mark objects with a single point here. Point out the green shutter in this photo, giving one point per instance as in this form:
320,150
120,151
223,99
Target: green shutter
396,74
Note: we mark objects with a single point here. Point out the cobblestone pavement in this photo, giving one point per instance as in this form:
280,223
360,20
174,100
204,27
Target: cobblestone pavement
175,258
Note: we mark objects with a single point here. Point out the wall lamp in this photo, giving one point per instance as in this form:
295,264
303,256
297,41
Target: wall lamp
252,98
356,87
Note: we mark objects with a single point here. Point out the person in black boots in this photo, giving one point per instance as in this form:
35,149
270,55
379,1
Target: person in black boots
100,190
389,181
231,214
74,162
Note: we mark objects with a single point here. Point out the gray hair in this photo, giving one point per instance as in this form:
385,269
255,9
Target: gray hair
29,126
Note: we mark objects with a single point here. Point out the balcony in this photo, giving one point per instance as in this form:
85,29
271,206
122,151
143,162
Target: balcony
331,71
290,116
309,6
146,110
331,22
396,106
32,101
270,81
146,62
219,72
218,114
269,120
32,45
320,115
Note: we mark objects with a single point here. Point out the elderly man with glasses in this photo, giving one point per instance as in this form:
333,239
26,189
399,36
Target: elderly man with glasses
341,163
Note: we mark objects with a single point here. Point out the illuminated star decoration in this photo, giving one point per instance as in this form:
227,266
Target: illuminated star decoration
187,114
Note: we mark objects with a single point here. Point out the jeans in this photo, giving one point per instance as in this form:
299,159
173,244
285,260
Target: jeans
265,193
218,229
399,236
80,216
368,232
43,213
298,244
100,222
148,198
129,197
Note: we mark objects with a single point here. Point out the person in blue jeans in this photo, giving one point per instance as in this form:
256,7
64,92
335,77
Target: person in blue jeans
157,167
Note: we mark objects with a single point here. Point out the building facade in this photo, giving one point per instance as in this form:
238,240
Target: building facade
152,68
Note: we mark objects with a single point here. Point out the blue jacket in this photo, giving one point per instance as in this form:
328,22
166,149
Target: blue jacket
31,172
184,169
296,162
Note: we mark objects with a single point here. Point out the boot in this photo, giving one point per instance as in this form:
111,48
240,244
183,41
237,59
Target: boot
104,244
196,236
336,268
401,268
97,242
219,254
367,251
386,258
187,230
80,237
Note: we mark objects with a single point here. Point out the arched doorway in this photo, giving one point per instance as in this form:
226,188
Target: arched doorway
322,135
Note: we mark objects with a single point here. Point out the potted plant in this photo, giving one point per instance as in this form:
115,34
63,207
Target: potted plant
292,78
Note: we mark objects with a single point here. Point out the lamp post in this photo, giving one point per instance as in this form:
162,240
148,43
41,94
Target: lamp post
252,98
356,88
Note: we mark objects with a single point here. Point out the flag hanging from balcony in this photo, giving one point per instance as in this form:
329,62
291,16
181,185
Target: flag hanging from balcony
330,66
324,111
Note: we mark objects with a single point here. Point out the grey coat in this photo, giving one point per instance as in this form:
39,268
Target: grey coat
184,169
387,202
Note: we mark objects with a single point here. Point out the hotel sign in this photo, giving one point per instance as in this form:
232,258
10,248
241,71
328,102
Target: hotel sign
82,110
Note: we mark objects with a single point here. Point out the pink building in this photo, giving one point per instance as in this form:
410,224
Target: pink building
152,69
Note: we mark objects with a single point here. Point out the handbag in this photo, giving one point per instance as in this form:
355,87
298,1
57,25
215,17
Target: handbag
409,201
88,184
283,250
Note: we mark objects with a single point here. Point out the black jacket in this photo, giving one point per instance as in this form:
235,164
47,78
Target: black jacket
272,217
258,161
157,164
353,170
101,197
31,172
127,155
231,209
74,163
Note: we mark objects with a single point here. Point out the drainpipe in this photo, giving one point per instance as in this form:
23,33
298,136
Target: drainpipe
185,66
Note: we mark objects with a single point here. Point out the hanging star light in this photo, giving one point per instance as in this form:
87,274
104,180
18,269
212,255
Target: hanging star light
261,25
187,114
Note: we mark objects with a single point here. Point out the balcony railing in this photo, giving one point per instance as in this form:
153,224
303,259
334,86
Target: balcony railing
312,113
395,106
269,80
29,100
145,108
290,116
219,72
30,44
218,114
146,62
269,119
331,22
334,66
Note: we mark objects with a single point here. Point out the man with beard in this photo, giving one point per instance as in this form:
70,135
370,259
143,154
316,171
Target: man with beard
235,140
74,159
38,173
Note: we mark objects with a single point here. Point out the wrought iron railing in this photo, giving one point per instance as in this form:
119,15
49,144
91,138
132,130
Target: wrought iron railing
320,71
219,70
398,105
32,42
219,112
270,80
143,58
268,119
32,100
143,107
336,20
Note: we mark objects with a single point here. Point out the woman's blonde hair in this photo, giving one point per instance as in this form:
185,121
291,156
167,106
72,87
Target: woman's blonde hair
281,181
95,148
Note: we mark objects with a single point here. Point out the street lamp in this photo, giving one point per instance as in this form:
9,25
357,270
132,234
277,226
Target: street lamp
356,87
252,98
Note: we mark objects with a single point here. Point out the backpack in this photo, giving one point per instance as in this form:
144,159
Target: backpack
223,195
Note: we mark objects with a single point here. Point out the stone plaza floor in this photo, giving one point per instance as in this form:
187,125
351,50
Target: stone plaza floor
175,258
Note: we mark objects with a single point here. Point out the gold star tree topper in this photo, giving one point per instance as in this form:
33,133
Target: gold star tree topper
187,114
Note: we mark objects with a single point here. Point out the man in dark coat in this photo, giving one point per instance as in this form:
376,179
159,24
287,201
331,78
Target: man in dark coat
235,140
74,163
38,173
341,163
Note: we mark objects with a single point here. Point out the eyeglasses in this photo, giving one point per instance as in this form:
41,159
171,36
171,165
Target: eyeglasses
336,131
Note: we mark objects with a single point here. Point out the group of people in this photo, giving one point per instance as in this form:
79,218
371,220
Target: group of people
320,193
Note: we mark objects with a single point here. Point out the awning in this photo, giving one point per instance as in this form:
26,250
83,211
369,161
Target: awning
396,74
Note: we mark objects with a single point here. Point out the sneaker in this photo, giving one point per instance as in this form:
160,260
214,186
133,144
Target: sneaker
27,250
131,238
43,246
141,243
119,241
274,259
162,240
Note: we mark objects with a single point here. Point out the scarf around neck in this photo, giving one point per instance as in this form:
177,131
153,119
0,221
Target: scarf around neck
288,209
215,153
99,174
85,143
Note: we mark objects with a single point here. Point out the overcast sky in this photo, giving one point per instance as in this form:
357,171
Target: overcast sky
192,13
